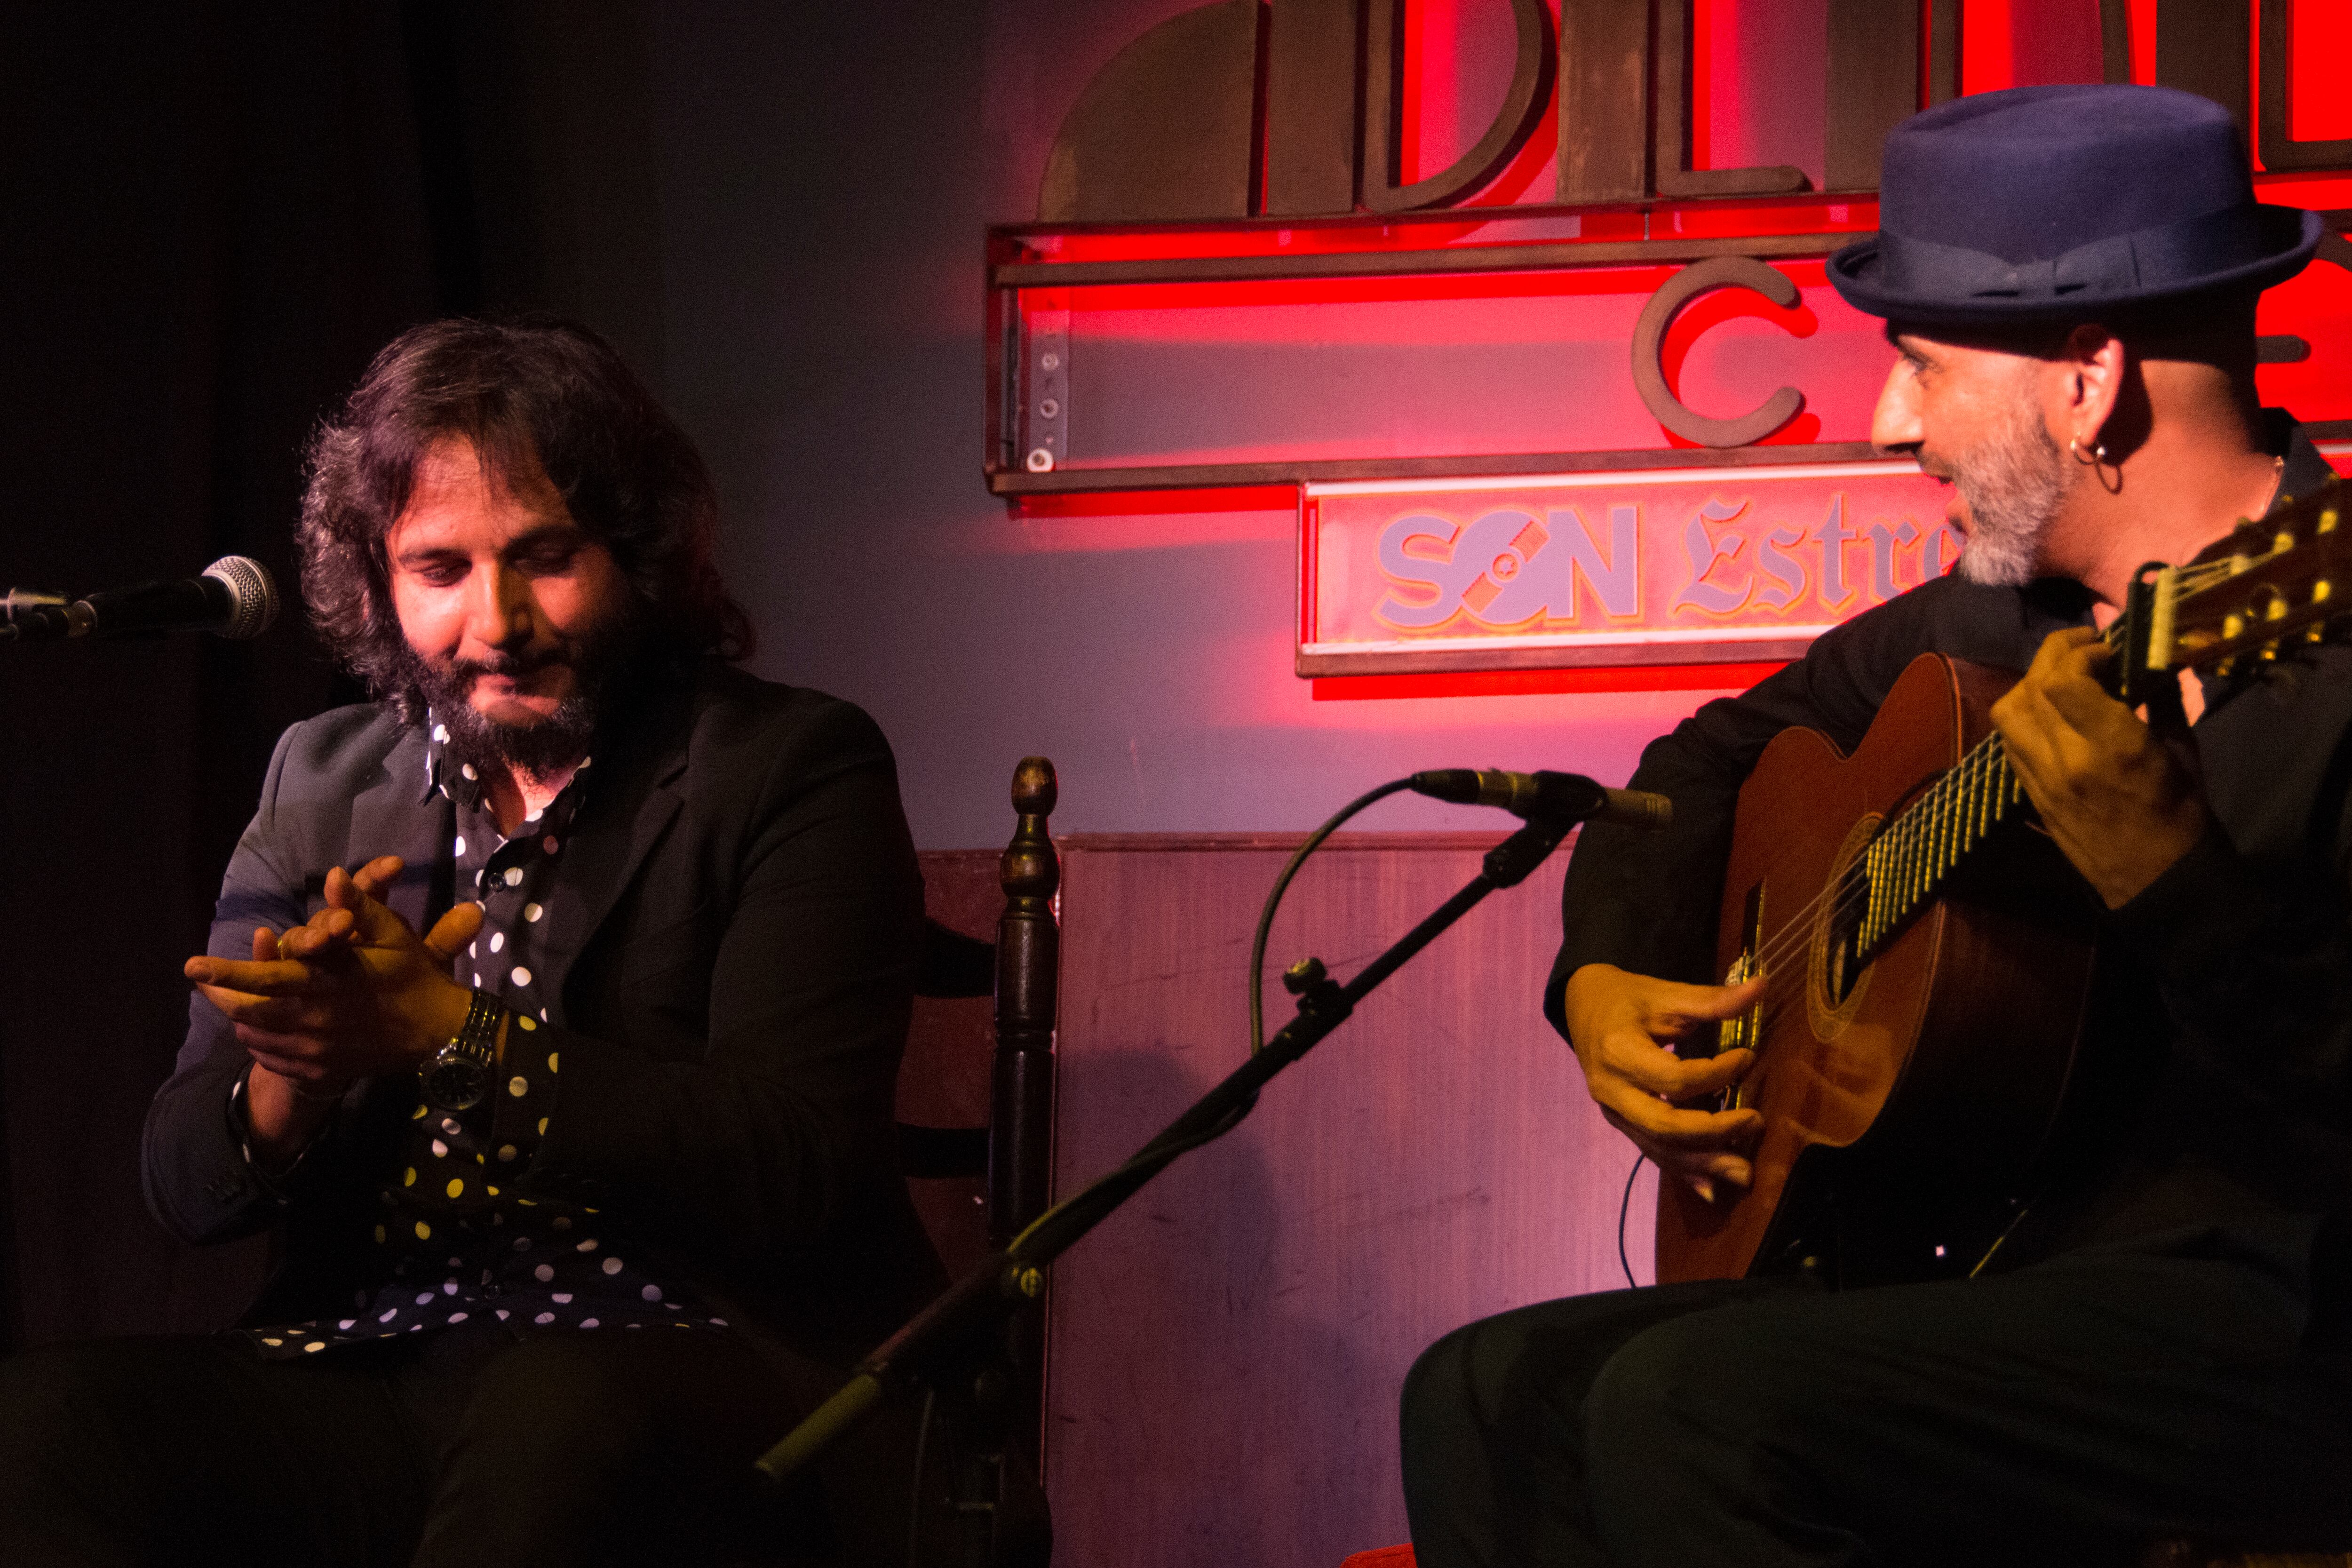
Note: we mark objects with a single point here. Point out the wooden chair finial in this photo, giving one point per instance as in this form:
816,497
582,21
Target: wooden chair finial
1035,791
1030,870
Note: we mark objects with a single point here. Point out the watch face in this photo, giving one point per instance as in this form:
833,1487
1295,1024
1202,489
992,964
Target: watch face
456,1082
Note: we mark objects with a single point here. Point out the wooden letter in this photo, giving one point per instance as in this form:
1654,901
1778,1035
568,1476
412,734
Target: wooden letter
1310,108
1605,101
1874,81
2200,47
1167,129
1675,177
1523,106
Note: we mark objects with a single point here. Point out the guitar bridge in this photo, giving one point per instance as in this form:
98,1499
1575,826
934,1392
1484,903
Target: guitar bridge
1747,1030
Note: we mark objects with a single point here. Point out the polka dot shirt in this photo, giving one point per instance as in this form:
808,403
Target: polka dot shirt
455,1239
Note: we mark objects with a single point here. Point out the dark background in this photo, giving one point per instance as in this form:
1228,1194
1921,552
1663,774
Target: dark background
214,215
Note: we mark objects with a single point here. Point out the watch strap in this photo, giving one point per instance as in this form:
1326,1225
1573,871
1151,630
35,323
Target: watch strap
478,1036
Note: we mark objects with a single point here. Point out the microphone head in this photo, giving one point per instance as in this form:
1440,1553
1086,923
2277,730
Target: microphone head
1635,808
252,595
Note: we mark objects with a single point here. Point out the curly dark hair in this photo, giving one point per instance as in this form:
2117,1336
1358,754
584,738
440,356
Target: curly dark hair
534,391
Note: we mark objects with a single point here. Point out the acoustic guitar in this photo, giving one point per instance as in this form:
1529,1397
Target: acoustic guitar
1928,951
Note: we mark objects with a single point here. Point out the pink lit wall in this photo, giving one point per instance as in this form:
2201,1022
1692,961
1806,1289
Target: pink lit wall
824,185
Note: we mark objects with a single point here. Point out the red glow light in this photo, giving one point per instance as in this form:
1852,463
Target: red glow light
1988,52
1700,43
1713,218
2318,108
1173,302
1544,683
1158,503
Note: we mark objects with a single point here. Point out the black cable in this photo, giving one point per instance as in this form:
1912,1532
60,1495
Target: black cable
1154,1156
1274,902
1625,1207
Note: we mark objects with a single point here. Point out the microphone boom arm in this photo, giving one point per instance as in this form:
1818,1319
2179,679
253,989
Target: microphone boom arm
956,1323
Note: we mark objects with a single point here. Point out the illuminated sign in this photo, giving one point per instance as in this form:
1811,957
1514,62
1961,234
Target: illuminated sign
1263,259
1697,566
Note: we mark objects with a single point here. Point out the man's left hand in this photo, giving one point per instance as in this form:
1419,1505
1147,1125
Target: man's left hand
2114,796
355,992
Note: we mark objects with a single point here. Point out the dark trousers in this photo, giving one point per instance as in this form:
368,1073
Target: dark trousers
462,1447
2067,1412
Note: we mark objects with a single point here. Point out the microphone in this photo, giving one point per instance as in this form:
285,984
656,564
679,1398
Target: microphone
1546,796
233,598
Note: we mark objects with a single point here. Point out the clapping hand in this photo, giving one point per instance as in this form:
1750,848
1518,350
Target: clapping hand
350,993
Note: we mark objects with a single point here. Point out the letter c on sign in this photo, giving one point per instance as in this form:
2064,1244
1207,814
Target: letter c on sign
1650,341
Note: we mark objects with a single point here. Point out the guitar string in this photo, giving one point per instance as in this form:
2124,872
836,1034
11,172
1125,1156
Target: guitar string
1798,930
1919,821
1984,764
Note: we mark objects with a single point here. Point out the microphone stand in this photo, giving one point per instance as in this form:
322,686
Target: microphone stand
959,1327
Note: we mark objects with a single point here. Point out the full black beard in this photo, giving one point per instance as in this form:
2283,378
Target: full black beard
597,660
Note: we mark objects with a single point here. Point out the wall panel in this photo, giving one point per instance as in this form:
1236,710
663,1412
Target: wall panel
1227,1349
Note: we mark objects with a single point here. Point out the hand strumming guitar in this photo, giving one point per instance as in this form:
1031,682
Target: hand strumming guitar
2114,796
1623,1026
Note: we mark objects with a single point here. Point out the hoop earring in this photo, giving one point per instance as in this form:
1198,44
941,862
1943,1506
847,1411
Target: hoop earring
2098,452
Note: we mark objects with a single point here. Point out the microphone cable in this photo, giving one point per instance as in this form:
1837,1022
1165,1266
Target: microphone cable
1624,1206
1281,885
1156,1156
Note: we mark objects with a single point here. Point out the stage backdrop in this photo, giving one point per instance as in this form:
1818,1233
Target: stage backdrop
1226,1351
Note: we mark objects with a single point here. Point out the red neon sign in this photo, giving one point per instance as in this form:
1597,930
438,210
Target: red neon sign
1664,329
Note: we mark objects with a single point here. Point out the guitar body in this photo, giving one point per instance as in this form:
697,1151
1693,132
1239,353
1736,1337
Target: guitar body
1904,1107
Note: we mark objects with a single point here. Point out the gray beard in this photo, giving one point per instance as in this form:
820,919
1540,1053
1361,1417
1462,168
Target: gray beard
2013,483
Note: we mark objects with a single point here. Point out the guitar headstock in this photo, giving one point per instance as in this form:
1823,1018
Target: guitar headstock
2274,580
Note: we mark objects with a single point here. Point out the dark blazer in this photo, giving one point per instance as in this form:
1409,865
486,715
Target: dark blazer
732,959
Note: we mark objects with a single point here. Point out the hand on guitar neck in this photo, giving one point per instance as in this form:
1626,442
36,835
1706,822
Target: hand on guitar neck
2116,799
1623,1027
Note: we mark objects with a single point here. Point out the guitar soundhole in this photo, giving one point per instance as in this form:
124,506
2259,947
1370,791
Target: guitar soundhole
1840,972
1843,935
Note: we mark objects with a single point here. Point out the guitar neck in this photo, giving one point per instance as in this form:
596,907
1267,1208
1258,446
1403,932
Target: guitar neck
1908,864
2270,583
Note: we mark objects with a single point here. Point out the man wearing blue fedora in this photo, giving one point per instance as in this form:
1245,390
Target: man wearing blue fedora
2159,1347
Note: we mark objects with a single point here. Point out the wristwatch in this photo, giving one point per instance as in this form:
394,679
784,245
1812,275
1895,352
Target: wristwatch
457,1077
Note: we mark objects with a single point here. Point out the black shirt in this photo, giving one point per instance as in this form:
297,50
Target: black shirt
456,1237
2222,1013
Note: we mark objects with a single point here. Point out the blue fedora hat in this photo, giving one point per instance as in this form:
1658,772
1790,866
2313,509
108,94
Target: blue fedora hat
2045,203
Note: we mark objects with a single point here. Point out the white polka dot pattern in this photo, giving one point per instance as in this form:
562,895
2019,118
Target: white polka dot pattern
547,1262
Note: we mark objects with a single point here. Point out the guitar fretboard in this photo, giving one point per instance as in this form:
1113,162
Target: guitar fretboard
1908,863
1906,866
2273,585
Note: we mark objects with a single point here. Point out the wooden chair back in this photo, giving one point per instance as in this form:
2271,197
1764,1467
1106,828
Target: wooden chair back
976,1092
